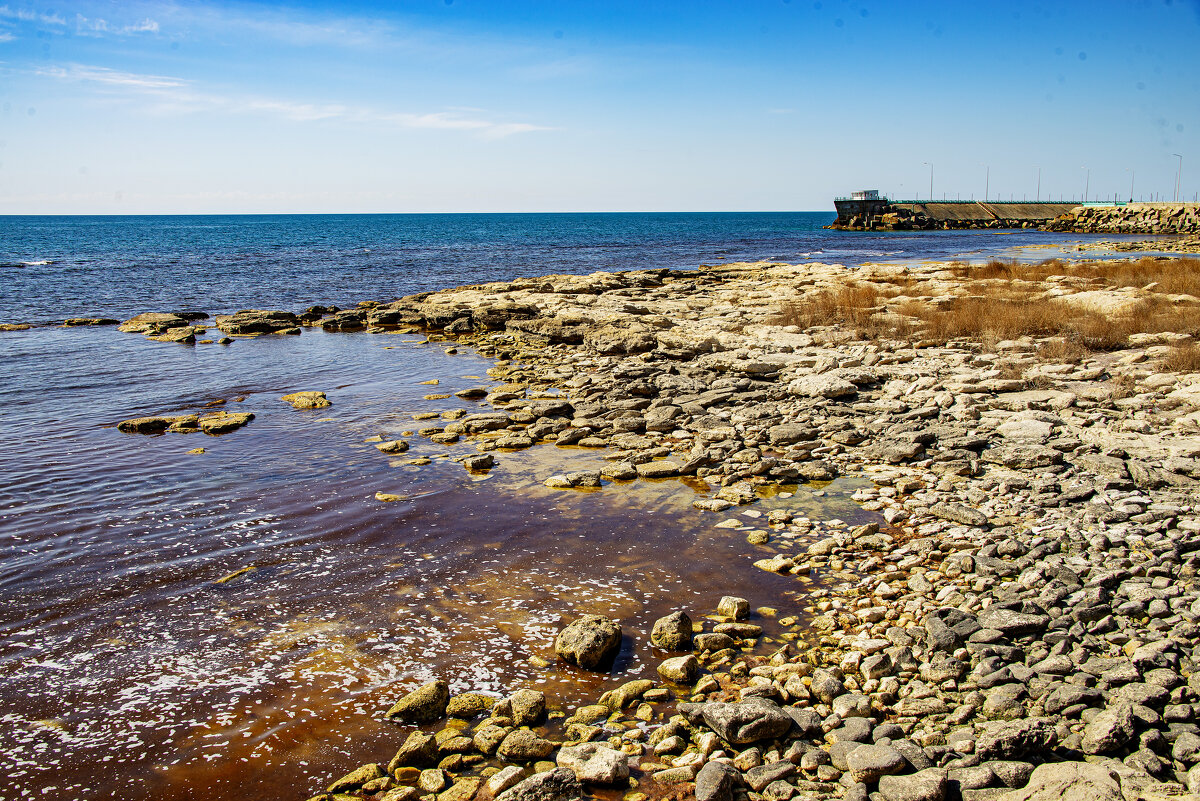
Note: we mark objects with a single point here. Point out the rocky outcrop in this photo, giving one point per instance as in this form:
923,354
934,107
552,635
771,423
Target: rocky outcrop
258,321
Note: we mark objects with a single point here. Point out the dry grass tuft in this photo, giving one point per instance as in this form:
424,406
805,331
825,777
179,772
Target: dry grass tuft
853,307
1183,359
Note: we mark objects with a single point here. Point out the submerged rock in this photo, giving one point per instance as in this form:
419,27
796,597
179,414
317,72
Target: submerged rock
425,704
307,400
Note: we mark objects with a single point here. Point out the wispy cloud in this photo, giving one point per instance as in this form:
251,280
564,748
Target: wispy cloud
171,95
86,26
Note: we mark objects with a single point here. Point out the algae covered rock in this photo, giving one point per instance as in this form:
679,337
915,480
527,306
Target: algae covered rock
425,704
589,642
307,400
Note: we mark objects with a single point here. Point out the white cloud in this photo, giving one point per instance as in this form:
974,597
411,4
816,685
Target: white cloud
87,26
177,96
5,36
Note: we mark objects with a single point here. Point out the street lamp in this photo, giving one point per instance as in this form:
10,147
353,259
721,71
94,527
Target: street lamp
929,164
1087,184
987,181
1039,191
1132,175
1177,174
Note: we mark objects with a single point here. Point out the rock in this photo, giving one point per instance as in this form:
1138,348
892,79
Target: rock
745,723
147,425
469,705
527,707
713,642
926,785
673,632
822,386
218,423
958,513
522,745
425,704
257,321
463,789
392,446
716,781
595,763
480,463
153,323
559,784
506,778
733,607
1011,623
680,669
1008,740
589,642
658,469
420,750
1069,781
1109,730
307,400
357,778
869,762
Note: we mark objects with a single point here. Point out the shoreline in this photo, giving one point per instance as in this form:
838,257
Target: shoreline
1052,465
982,695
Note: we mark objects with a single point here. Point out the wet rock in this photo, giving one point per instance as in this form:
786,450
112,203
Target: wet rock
527,707
559,784
392,446
680,669
479,464
256,321
420,750
425,704
469,705
503,780
673,632
733,607
148,425
307,400
72,322
590,642
223,422
153,323
617,699
357,778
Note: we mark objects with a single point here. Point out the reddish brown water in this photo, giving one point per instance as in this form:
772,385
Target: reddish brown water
126,672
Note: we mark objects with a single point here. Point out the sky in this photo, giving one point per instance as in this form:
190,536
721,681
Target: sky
611,105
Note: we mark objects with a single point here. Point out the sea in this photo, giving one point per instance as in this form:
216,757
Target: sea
128,670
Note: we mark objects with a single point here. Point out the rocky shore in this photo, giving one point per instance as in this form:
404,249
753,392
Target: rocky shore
1178,219
1021,623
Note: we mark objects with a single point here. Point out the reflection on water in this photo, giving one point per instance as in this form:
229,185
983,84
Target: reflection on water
127,672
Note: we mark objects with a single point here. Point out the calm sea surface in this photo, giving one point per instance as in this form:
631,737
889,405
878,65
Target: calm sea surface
126,672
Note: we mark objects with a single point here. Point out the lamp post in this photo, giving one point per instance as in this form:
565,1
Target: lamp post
1178,172
1087,184
1132,175
1039,190
929,164
987,181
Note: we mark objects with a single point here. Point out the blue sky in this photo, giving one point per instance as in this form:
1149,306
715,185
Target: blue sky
484,105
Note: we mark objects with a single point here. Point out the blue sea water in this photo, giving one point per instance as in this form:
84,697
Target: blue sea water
56,267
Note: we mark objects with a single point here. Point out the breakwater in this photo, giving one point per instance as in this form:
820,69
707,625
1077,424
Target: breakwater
1132,218
907,215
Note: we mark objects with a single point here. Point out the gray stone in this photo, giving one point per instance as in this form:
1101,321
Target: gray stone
420,750
595,763
1069,781
748,722
733,607
522,745
1109,730
680,669
1006,740
958,513
559,784
870,762
926,785
1010,622
716,781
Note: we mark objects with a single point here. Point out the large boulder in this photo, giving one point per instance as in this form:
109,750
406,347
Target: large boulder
716,781
1109,730
926,785
425,704
522,745
870,762
257,321
1014,739
590,642
748,722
